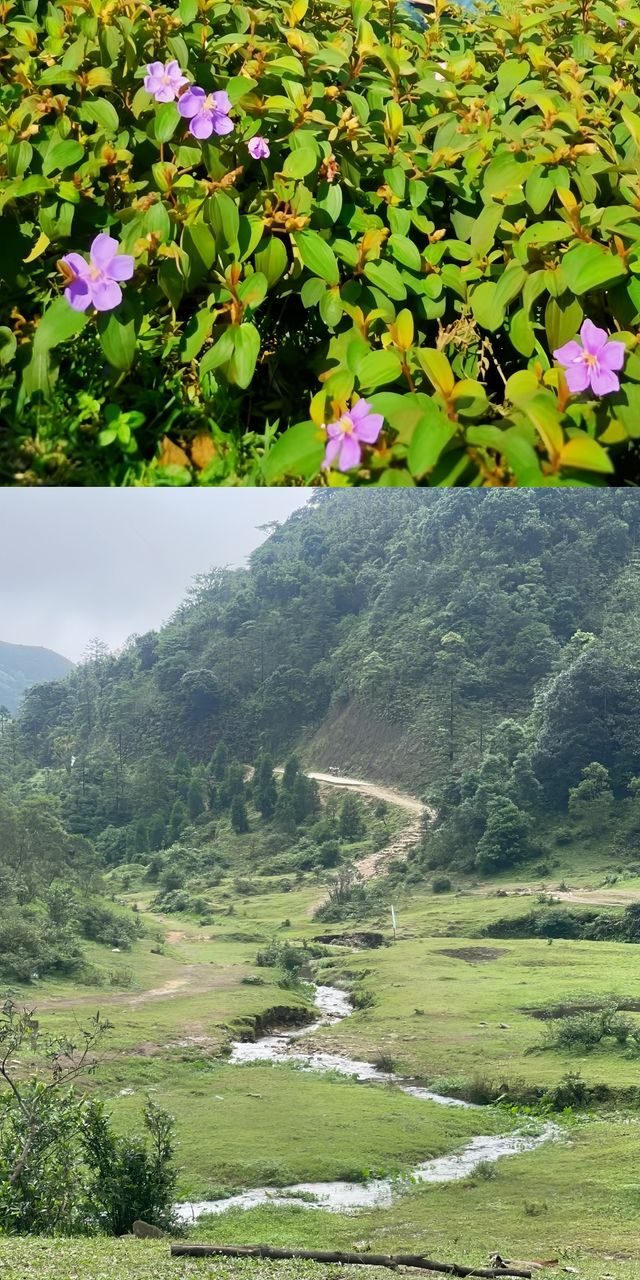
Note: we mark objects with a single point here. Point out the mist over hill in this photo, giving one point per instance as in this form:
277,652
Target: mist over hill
481,650
23,665
379,632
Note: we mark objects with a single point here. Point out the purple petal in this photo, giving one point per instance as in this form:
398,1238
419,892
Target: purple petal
152,84
154,69
332,450
360,410
568,353
604,381
593,338
222,124
221,101
122,267
78,295
201,126
258,147
105,295
190,103
333,430
577,376
369,428
77,264
612,357
350,453
165,93
172,68
103,249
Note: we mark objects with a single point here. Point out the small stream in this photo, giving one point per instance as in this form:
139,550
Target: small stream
342,1197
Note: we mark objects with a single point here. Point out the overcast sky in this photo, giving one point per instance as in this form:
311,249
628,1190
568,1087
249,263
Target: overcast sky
78,563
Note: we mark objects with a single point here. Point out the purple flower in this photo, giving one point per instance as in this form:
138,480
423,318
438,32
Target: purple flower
593,363
96,281
258,147
358,426
208,112
163,80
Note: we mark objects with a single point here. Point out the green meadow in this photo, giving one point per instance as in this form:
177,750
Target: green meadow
450,1007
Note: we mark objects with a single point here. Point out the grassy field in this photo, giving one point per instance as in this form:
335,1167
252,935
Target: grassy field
441,993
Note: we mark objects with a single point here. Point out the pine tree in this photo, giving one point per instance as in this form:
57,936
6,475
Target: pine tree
195,799
177,821
238,814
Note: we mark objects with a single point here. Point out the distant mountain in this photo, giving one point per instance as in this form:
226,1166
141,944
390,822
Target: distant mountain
22,665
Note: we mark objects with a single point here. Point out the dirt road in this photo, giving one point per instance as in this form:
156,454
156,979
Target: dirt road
401,843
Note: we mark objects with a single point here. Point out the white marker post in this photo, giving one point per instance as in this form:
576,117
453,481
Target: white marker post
393,922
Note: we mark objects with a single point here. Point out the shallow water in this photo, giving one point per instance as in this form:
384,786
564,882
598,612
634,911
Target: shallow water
344,1197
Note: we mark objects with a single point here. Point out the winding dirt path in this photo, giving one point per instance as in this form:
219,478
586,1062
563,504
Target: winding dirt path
400,845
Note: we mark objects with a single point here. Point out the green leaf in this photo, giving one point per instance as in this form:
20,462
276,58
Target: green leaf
62,155
432,433
246,349
166,122
589,267
405,252
538,190
8,345
486,306
469,399
483,232
521,333
506,173
101,112
299,452
59,323
317,256
510,284
222,213
19,157
562,319
387,278
220,353
253,290
542,412
117,333
195,334
437,369
272,261
199,244
511,74
300,162
585,454
379,368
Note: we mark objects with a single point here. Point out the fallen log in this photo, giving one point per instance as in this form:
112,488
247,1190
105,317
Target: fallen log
354,1259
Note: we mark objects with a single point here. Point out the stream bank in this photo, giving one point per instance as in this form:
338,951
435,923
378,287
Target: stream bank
333,1006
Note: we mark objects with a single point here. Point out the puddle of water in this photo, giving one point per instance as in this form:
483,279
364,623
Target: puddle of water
346,1197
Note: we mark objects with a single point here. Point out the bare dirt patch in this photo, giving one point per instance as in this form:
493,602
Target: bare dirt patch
474,955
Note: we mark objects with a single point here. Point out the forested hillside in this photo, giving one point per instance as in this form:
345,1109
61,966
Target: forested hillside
478,648
22,665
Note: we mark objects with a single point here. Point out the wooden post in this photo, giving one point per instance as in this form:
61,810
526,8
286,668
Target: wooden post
353,1259
393,922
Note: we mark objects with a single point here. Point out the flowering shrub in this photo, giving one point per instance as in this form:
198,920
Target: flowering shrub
353,251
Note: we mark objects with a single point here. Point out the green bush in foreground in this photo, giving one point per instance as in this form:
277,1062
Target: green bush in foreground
437,214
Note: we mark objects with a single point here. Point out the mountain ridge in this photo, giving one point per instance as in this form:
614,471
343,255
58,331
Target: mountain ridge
23,665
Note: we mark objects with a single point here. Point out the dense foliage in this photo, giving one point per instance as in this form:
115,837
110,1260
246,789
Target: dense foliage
50,893
63,1170
413,218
